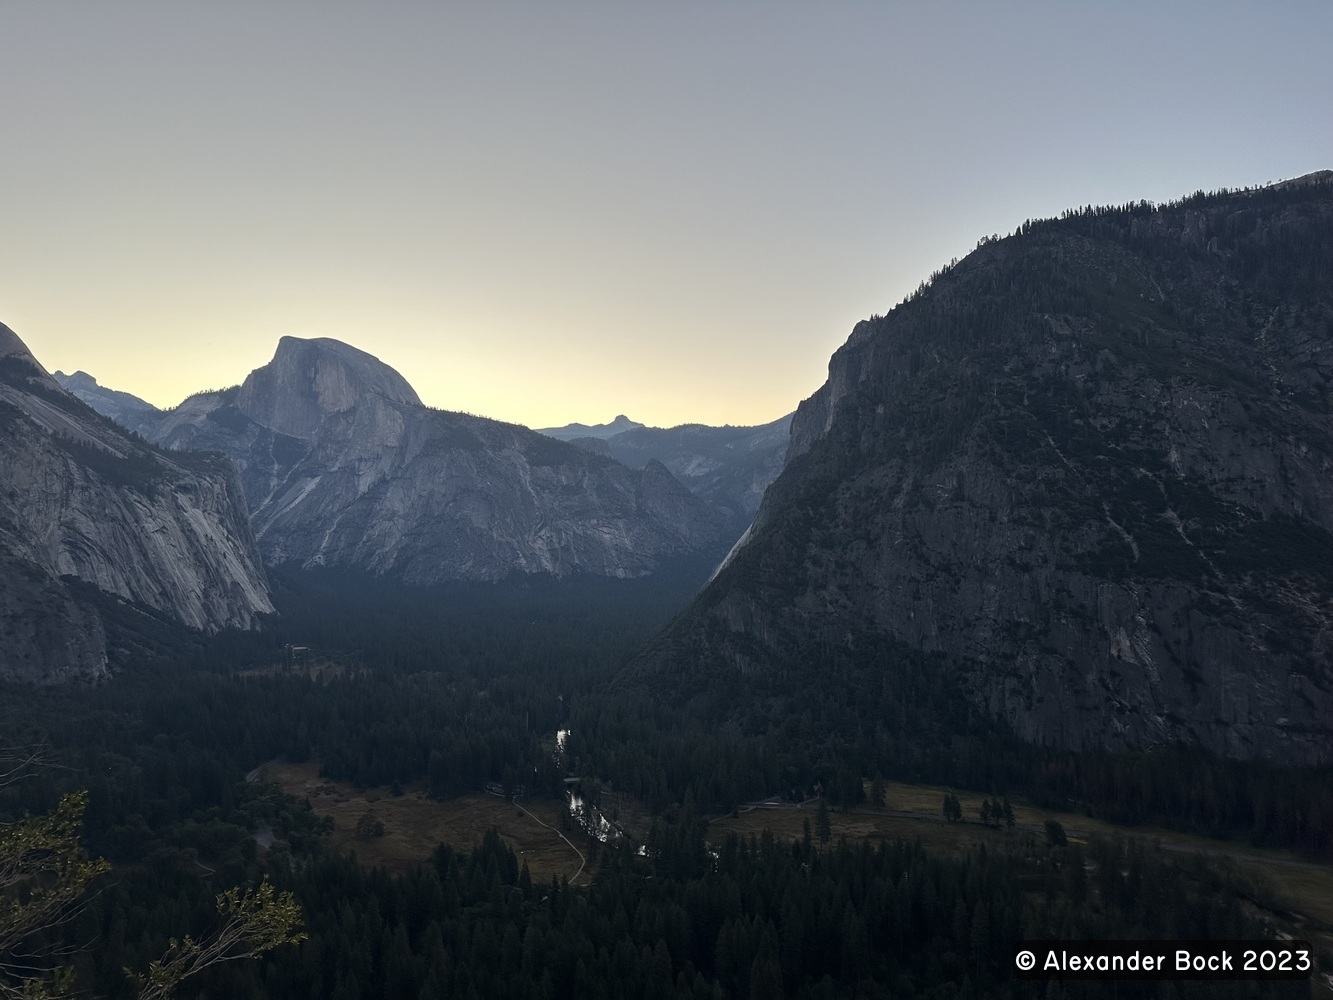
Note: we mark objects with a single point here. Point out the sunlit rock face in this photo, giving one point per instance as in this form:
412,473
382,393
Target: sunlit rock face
81,501
1091,468
343,466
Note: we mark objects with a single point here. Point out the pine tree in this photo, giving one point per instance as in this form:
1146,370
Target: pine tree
953,810
877,792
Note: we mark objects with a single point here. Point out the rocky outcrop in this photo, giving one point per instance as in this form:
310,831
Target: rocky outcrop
82,500
343,466
1091,468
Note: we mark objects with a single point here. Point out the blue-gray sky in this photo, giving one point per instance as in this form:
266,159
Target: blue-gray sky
547,212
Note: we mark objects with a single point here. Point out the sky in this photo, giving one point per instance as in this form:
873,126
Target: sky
556,212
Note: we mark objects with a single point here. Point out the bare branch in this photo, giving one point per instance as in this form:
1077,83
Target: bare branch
17,763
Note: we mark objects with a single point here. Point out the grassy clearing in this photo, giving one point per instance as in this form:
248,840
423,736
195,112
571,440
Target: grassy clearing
930,829
927,800
415,824
1300,898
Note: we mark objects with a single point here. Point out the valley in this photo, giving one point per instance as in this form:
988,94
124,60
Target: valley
1296,891
1056,531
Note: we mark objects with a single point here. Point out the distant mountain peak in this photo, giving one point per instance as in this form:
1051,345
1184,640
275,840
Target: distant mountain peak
313,357
80,378
124,408
568,432
309,380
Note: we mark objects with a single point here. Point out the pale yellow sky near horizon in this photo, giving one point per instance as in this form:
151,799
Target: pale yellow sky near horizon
555,213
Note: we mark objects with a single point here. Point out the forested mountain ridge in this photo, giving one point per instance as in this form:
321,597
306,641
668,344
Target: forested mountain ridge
343,466
1088,466
83,502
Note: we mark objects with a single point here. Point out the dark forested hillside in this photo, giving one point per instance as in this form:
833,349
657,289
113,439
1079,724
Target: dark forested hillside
1087,467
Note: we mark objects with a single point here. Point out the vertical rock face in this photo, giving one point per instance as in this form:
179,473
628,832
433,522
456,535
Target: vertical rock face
81,499
310,383
343,466
1091,466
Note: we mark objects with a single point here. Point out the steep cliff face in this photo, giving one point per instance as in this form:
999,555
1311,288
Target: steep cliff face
1092,466
80,498
343,466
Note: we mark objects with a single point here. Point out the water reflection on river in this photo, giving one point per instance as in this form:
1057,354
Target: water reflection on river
589,818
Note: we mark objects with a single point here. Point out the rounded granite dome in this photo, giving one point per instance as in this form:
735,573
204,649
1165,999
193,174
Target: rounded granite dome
309,380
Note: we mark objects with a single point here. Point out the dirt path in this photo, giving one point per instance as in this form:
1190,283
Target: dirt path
582,860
